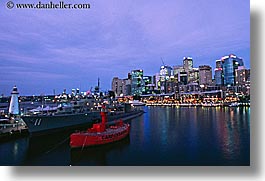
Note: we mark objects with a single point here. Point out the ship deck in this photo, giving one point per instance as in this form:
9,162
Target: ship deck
107,132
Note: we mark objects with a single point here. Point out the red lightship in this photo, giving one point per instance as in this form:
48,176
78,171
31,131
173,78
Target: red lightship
99,134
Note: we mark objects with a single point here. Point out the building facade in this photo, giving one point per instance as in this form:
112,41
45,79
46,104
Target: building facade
165,74
117,86
194,75
205,75
149,86
242,76
229,66
137,83
187,64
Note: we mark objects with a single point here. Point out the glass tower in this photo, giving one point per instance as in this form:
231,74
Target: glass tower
137,86
230,65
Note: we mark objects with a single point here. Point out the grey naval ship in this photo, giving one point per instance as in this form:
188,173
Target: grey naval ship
73,115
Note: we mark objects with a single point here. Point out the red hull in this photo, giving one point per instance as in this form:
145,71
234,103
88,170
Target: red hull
86,139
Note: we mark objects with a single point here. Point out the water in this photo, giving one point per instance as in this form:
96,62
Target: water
161,136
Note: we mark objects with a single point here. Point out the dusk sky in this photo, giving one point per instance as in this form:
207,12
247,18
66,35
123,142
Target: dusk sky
43,50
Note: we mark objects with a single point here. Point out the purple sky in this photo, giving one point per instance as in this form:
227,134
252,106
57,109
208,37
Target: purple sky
42,50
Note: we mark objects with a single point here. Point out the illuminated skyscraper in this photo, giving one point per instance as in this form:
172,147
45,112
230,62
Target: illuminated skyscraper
165,73
148,84
229,66
188,68
137,84
226,68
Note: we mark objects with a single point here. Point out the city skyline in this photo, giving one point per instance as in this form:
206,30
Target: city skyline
111,38
229,74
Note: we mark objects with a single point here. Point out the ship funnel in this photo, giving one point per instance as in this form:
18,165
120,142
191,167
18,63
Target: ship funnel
13,107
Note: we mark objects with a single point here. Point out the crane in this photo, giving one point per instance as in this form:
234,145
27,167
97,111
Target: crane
162,61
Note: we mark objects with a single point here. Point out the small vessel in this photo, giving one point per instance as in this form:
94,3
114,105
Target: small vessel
136,103
100,134
210,104
234,104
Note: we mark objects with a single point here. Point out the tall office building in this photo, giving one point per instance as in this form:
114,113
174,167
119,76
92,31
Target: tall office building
194,75
137,83
117,86
226,68
188,68
218,73
176,71
218,76
183,78
165,73
148,85
157,81
127,86
229,66
205,75
218,64
242,76
187,64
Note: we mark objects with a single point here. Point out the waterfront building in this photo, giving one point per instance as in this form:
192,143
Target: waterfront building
205,75
229,65
73,93
77,91
218,76
189,88
176,70
165,73
243,80
137,83
226,68
183,78
187,64
218,73
148,85
171,86
242,75
157,82
127,86
117,86
193,75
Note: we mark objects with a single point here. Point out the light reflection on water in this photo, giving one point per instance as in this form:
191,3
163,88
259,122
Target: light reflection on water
162,136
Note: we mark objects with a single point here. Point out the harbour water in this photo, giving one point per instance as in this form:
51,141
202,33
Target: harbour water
161,136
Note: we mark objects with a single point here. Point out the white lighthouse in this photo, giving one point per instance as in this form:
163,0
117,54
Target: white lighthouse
13,107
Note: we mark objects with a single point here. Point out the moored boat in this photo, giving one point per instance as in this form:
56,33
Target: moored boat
136,103
100,134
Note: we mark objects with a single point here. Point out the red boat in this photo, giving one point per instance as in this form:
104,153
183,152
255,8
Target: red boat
99,134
